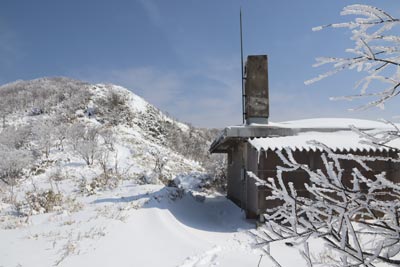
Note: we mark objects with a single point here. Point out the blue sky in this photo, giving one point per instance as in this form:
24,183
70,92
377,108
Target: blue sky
184,55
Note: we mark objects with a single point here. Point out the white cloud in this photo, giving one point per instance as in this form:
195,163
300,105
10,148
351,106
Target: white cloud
209,96
9,46
157,87
152,11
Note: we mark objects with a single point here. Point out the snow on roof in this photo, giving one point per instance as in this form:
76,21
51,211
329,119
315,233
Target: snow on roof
336,133
340,140
332,123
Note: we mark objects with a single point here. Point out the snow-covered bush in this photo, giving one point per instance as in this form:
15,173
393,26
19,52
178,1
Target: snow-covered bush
85,141
60,134
148,178
113,108
158,170
15,137
193,181
98,184
74,134
37,202
43,132
108,138
12,163
216,168
5,110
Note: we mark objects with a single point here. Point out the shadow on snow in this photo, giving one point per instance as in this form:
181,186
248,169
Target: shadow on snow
212,213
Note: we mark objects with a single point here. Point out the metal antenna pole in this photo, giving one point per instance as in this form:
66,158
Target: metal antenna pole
241,57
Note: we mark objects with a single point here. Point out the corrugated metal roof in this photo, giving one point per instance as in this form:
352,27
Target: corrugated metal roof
337,141
335,133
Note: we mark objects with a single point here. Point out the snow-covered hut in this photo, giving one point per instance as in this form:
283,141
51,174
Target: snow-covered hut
252,147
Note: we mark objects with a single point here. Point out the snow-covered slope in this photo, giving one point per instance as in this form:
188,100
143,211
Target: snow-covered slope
138,226
103,173
137,128
99,177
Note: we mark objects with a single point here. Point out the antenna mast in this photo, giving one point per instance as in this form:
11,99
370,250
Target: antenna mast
241,57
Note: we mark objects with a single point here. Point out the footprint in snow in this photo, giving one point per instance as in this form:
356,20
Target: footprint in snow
205,259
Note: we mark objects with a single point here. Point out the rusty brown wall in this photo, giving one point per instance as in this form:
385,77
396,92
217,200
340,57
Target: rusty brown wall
269,160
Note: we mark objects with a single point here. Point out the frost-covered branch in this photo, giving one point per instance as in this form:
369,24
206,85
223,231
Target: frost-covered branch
376,52
356,213
357,217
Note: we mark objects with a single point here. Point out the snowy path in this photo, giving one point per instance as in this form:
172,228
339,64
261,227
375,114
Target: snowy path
114,232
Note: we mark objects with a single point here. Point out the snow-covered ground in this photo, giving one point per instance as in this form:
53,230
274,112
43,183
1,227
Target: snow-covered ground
137,225
134,219
130,223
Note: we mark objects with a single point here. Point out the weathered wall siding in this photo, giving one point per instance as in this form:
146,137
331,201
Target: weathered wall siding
235,185
264,166
252,198
267,168
395,174
252,159
255,195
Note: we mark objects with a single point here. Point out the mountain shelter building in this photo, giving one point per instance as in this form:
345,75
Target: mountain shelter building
252,147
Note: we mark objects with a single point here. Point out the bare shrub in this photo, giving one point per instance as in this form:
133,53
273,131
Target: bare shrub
113,108
84,140
15,137
12,164
98,184
43,136
108,138
40,202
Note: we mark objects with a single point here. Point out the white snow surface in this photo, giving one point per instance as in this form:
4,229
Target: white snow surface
329,123
137,225
340,140
134,224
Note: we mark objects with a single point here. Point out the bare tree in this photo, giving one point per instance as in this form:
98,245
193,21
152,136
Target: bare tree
103,158
12,163
75,133
88,146
4,112
60,134
43,134
15,137
108,138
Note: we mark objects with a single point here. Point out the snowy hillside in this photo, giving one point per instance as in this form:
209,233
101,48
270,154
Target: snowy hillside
93,175
86,168
54,120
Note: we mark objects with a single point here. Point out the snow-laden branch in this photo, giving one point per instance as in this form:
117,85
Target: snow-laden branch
350,214
356,212
376,52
